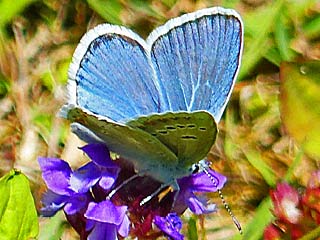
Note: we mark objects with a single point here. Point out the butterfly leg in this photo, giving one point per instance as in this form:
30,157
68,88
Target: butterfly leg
176,188
173,184
152,195
110,195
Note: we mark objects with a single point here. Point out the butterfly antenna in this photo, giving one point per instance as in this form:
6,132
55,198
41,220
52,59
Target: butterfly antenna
225,204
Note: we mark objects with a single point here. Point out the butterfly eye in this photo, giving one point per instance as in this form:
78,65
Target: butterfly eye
194,168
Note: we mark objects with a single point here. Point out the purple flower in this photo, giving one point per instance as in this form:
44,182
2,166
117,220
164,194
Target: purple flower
93,196
170,225
107,220
189,186
61,194
195,183
71,189
190,196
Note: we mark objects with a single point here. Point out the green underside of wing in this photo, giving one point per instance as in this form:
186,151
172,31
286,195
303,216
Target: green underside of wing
188,135
131,143
170,140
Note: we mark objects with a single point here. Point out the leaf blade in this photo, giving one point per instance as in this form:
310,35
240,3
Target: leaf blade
18,215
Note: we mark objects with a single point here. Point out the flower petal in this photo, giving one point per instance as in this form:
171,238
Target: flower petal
201,182
124,227
56,173
76,203
106,212
85,177
314,181
108,177
170,225
52,203
271,232
199,205
103,231
286,203
99,154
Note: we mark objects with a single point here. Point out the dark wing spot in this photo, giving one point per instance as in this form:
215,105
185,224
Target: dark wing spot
188,137
97,42
180,126
202,128
170,127
129,40
163,132
191,125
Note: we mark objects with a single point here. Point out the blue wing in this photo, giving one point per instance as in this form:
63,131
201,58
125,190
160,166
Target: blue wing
196,58
188,64
111,76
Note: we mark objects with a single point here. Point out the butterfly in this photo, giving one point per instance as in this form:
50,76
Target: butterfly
156,102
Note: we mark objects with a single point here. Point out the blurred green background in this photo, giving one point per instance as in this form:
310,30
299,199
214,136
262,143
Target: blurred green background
270,131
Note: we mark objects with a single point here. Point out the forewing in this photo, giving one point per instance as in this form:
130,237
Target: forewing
146,151
196,58
110,75
188,135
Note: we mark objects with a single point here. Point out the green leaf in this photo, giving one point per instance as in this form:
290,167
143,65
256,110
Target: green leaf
312,29
169,3
230,3
255,159
109,10
48,80
44,123
192,229
314,234
299,9
53,228
290,172
61,72
283,36
300,104
144,7
4,86
273,56
18,215
257,27
10,9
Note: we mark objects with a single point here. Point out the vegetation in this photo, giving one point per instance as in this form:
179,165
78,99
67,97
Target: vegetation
269,133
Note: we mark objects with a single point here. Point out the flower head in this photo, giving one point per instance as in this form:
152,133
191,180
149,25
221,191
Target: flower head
197,183
286,203
296,213
72,191
170,225
107,220
167,202
101,203
311,198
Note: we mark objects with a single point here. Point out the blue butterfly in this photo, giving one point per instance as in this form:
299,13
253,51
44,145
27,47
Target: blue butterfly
156,102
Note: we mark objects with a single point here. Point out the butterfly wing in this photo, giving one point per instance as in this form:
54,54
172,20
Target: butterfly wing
134,144
188,135
163,146
196,58
188,64
110,75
